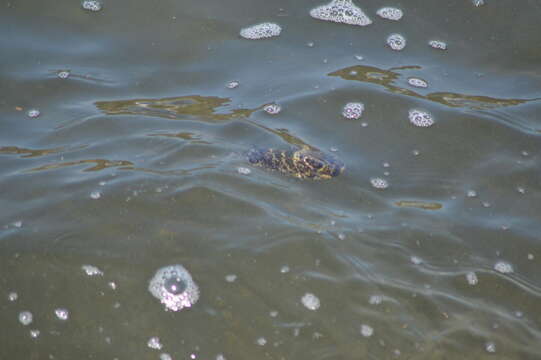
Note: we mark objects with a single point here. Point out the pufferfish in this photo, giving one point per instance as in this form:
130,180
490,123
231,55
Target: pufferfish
302,163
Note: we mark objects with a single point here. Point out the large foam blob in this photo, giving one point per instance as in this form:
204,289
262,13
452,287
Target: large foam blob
174,287
341,11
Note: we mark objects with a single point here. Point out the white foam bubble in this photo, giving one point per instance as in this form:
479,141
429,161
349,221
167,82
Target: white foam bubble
272,109
261,341
33,113
379,183
353,110
284,269
437,44
417,82
261,31
472,279
341,11
490,347
310,301
221,357
478,2
390,13
396,42
62,314
92,5
174,287
25,317
63,74
232,84
375,299
13,296
471,193
91,270
420,118
34,333
231,278
244,171
165,356
154,343
96,194
366,330
503,267
416,260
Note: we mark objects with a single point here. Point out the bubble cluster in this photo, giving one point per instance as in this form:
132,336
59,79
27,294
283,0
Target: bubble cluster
61,313
261,31
341,11
420,118
503,267
244,171
471,193
366,330
490,347
390,13
25,317
231,278
261,341
375,299
96,194
174,287
478,2
92,5
310,301
396,42
353,110
272,109
33,113
416,82
154,343
232,84
63,74
379,183
12,296
34,333
472,279
437,44
91,270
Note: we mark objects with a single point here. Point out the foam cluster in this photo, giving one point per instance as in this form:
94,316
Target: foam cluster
91,5
379,183
420,118
396,42
420,83
437,44
341,11
272,109
353,110
174,287
390,13
261,31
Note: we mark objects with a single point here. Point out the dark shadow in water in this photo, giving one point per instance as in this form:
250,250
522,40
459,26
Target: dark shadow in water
99,164
387,78
194,138
28,153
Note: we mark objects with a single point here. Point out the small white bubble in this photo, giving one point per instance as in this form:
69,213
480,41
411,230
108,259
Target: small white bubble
437,44
519,314
375,299
18,224
420,118
416,260
396,42
521,190
525,153
34,333
490,347
25,317
62,314
63,74
273,313
417,82
96,194
284,269
359,57
92,5
13,296
244,171
416,152
112,285
333,149
472,279
261,31
364,124
478,2
231,278
390,13
366,330
232,84
296,331
154,343
353,110
174,287
33,113
341,236
530,257
165,356
220,357
379,183
503,267
91,270
310,301
102,183
486,204
341,11
471,193
310,44
261,341
272,109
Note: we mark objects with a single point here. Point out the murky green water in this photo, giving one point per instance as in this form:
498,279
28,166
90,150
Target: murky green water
137,160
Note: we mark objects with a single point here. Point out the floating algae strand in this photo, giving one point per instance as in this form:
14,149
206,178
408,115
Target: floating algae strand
419,204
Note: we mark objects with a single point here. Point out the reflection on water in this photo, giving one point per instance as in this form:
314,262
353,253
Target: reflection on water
388,79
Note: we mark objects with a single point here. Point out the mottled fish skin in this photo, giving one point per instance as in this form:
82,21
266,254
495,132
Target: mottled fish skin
301,163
